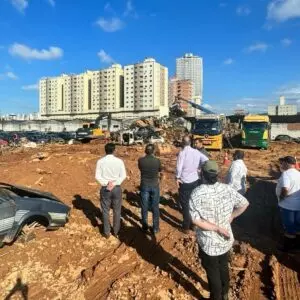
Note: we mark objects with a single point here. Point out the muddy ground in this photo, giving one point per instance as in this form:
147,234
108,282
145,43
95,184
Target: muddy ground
76,262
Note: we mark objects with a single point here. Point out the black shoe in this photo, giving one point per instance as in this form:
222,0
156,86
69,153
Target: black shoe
116,236
145,228
106,235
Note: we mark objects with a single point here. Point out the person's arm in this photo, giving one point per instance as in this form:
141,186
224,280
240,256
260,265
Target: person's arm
201,223
122,175
202,160
207,226
179,166
160,170
284,193
286,183
240,204
99,176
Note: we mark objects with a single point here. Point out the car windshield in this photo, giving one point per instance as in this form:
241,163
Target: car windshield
255,125
206,127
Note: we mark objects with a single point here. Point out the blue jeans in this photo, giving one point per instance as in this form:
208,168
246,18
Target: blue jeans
290,220
150,201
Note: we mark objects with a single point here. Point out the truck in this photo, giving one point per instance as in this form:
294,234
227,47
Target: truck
256,131
208,127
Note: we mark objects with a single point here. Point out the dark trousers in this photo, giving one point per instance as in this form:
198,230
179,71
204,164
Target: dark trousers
111,199
185,191
217,271
150,201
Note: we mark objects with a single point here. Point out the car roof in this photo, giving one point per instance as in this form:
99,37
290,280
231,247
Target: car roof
17,189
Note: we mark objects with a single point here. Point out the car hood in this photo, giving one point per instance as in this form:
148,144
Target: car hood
32,193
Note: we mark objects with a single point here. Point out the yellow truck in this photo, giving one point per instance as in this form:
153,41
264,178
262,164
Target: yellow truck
209,128
256,131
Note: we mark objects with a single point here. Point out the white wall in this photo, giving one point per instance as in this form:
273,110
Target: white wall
278,128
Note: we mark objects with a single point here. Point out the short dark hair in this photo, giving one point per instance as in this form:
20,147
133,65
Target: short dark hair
186,140
110,148
238,154
290,160
198,140
210,178
150,148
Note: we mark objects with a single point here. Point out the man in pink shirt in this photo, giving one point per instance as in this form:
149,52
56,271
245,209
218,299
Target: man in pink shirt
189,163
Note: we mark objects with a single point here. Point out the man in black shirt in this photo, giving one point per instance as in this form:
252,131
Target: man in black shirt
150,167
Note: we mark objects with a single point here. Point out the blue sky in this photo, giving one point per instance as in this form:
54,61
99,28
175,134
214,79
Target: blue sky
251,48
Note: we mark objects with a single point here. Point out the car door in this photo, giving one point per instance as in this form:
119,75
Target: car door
7,215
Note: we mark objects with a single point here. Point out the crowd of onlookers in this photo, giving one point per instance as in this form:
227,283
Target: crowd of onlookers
208,206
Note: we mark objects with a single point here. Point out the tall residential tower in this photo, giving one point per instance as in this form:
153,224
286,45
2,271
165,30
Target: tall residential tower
190,67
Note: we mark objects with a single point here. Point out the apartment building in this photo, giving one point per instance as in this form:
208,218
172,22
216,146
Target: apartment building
84,94
282,109
190,67
140,90
146,88
182,89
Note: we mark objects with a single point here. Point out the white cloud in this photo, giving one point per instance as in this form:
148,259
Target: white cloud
9,75
243,10
31,87
228,61
130,10
26,52
259,46
20,5
51,2
283,10
110,25
286,42
104,57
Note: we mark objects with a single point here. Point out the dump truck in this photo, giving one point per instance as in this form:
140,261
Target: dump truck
208,127
256,131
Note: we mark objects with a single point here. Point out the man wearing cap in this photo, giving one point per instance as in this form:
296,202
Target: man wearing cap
189,162
213,206
288,193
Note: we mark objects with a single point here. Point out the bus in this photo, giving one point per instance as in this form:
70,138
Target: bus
256,131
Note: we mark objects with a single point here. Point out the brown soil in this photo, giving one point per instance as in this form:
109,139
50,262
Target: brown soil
76,262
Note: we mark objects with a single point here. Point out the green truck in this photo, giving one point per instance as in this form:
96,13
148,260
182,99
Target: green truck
256,131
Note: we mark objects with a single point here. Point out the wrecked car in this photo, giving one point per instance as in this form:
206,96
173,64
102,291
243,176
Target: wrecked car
21,206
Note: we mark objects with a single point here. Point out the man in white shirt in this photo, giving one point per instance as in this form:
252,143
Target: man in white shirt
288,193
237,174
213,206
110,173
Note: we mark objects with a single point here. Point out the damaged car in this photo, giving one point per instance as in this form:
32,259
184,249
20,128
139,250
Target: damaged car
22,207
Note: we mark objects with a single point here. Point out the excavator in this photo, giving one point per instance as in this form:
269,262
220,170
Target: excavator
208,127
90,131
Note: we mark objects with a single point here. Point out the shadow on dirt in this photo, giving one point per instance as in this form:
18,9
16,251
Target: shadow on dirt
260,225
20,289
151,250
91,211
134,200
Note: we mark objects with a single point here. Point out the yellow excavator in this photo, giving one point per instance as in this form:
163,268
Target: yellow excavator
92,130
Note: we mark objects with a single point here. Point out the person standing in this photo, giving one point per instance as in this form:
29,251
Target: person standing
189,162
213,206
150,168
110,173
237,174
199,146
288,193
